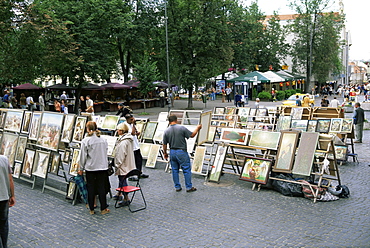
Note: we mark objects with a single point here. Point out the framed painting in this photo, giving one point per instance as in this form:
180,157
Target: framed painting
41,164
9,146
212,134
111,140
152,156
230,110
261,113
150,130
100,121
21,148
50,129
145,149
219,110
71,191
161,127
205,120
163,116
140,127
55,160
27,116
17,170
264,139
218,163
200,153
311,126
79,129
286,152
13,121
66,156
224,123
250,125
28,163
236,136
335,125
347,125
256,170
243,111
283,123
68,124
296,113
3,118
75,162
305,154
341,152
110,122
179,114
214,123
299,124
323,125
252,112
35,124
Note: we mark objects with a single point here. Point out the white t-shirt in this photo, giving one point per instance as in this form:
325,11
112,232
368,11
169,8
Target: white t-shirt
136,141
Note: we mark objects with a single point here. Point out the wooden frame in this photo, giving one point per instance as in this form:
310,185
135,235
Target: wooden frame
79,130
312,125
75,162
13,120
335,125
41,164
28,162
17,170
71,191
49,130
230,110
218,163
235,136
306,153
67,131
323,125
35,124
21,148
26,122
286,152
256,170
3,118
347,125
264,139
219,110
340,153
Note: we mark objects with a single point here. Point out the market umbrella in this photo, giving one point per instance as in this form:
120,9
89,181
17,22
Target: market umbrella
250,77
60,87
115,86
132,83
27,86
161,84
91,86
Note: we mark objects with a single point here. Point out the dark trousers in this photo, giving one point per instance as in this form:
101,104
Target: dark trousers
4,225
96,185
138,160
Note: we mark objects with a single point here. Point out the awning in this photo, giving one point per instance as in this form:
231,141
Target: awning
274,78
27,86
60,87
254,76
115,86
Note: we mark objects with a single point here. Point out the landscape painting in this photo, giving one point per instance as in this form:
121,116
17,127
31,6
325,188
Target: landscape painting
264,139
110,122
13,121
236,136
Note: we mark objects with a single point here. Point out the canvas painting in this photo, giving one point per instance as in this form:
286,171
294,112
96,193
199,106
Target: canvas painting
286,152
75,162
252,112
41,163
311,126
21,148
161,127
264,139
2,119
250,125
111,140
336,125
17,170
179,114
218,163
50,129
214,123
347,125
236,136
256,170
219,111
13,121
69,122
323,125
27,116
230,110
205,120
212,134
162,116
283,123
139,128
88,116
35,124
71,190
110,122
149,130
224,124
9,146
299,124
100,121
79,129
261,114
66,155
340,152
296,113
305,154
55,160
145,149
152,156
28,162
198,159
243,111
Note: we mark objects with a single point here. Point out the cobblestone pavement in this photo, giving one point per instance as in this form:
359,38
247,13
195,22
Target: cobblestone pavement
228,214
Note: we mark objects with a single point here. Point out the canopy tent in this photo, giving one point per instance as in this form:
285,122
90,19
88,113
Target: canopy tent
294,75
251,77
60,87
27,86
132,83
274,78
115,86
91,86
227,76
286,76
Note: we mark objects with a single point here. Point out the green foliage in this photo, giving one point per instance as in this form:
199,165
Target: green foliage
280,95
264,95
254,92
298,91
289,93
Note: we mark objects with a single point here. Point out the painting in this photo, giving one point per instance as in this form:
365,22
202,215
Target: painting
340,152
347,125
27,116
100,121
252,112
264,139
13,121
286,152
162,116
179,114
218,163
152,156
68,124
79,129
35,124
299,124
21,148
66,156
236,136
243,112
3,117
75,162
41,163
219,110
305,154
212,134
230,110
283,123
55,160
250,125
336,125
311,126
224,123
149,130
111,140
140,127
110,122
214,123
199,155
161,127
145,149
71,190
28,162
256,170
296,113
205,120
261,114
50,129
9,146
17,170
323,125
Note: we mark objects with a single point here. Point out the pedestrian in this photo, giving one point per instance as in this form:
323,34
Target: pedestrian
324,102
57,105
172,97
30,103
14,101
22,101
161,98
358,120
63,96
6,99
228,94
298,101
123,110
131,124
42,101
7,198
82,104
223,92
257,103
175,135
64,107
306,101
89,105
238,100
334,103
273,95
124,159
94,161
213,94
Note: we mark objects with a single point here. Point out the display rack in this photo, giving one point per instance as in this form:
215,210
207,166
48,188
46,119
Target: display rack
326,112
286,110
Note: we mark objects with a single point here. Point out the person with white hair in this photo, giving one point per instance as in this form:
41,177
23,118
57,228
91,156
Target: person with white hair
63,96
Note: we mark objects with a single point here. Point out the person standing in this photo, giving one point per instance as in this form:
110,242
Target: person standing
228,94
89,105
161,98
238,100
42,101
223,92
82,104
63,96
257,103
94,161
298,101
30,103
57,106
7,198
358,120
22,101
306,101
334,103
6,99
14,101
64,107
175,136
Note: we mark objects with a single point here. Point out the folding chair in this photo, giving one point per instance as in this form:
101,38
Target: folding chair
129,189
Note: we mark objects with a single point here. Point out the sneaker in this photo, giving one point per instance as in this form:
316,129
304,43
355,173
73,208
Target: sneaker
105,211
192,189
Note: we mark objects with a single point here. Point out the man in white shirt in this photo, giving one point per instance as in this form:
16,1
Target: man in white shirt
89,105
228,93
334,103
63,96
161,98
30,103
41,102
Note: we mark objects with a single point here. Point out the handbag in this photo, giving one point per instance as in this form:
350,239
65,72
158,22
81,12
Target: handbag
111,167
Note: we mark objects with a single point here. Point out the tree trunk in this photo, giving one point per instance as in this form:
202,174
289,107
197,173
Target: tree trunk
190,98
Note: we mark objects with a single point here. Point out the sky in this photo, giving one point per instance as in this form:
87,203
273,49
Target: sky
356,12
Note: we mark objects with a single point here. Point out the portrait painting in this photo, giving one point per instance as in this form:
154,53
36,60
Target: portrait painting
299,124
286,152
198,159
13,121
26,123
75,162
9,146
28,162
111,140
283,123
312,125
55,160
110,122
264,139
152,156
347,125
230,110
236,136
219,110
50,129
35,124
68,124
79,129
305,154
218,163
145,149
150,130
323,125
17,170
336,125
255,170
161,127
41,164
21,148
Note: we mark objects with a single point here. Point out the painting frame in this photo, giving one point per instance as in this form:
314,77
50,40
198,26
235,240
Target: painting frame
347,125
306,153
145,149
68,126
35,124
198,159
299,124
26,122
49,130
296,113
283,122
55,158
312,125
323,125
27,167
257,136
219,110
3,118
286,152
9,143
335,125
41,164
253,166
152,156
218,163
13,120
110,122
149,131
71,190
75,162
17,170
79,129
21,148
241,136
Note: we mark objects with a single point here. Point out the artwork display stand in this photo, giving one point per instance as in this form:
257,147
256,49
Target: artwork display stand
306,114
326,112
348,140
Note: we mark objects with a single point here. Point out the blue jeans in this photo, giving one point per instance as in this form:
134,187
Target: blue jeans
180,159
4,225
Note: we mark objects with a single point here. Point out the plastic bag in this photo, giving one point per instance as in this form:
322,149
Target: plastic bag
287,188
